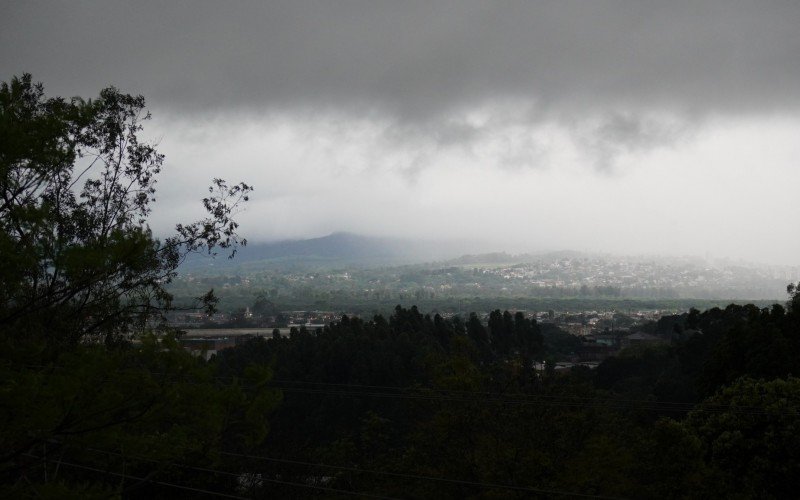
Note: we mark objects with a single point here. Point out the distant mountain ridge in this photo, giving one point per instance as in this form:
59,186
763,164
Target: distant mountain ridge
343,249
333,246
350,249
340,248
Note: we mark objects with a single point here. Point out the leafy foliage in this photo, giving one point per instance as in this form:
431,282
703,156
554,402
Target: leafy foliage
426,397
89,396
750,432
76,184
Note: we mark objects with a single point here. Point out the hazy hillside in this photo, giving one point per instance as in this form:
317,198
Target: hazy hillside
343,269
336,249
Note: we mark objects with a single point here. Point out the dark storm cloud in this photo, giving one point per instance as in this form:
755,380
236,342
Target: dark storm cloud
455,118
619,133
416,61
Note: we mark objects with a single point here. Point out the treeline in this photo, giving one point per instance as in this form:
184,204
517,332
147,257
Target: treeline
416,406
419,406
311,297
232,303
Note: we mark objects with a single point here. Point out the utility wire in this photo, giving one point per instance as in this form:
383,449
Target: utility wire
480,393
233,474
611,403
143,479
351,469
414,476
412,393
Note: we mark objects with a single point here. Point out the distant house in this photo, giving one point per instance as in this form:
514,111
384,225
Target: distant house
186,318
686,334
209,346
641,338
595,349
607,339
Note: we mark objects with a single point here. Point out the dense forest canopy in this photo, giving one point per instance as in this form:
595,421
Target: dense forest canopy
99,400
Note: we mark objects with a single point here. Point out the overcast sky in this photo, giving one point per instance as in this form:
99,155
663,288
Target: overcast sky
628,127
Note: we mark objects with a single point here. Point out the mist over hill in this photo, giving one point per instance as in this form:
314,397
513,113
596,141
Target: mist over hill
334,250
350,264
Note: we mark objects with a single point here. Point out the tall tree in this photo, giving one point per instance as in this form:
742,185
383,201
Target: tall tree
76,187
81,272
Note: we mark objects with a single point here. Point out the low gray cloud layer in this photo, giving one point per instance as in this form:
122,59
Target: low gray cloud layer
416,60
636,126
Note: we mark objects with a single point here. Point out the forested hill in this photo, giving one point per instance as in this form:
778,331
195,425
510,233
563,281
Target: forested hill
335,249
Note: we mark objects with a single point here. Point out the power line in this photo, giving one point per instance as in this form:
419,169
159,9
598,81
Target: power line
143,479
233,474
478,393
497,396
326,488
518,399
350,469
414,476
494,397
610,403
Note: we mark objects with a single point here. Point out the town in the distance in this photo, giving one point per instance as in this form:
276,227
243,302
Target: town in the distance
589,305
